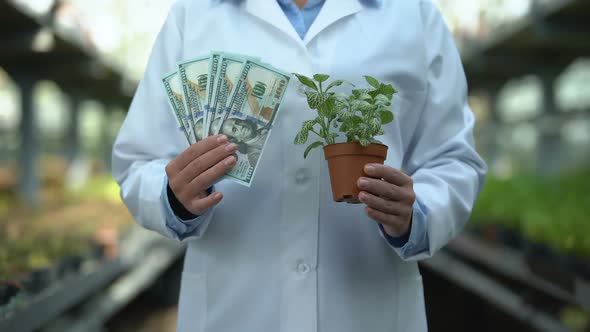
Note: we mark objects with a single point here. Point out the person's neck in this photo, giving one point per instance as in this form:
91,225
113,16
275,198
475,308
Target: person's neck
300,3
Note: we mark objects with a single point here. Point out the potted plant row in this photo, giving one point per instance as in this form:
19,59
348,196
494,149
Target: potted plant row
30,267
544,217
358,117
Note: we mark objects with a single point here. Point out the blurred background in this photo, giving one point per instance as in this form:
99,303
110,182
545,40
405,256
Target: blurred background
70,253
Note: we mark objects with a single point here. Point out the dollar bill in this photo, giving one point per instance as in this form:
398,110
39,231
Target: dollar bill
173,89
254,104
213,67
229,69
194,75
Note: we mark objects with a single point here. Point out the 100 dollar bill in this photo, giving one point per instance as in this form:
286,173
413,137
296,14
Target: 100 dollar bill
213,68
230,67
249,117
194,75
175,98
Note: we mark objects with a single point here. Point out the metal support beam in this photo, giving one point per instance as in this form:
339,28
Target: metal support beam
106,136
552,29
73,132
75,67
566,35
493,124
17,44
550,147
512,64
29,149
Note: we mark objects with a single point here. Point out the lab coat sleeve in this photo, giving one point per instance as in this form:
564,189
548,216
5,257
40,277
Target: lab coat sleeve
149,138
447,171
416,242
183,229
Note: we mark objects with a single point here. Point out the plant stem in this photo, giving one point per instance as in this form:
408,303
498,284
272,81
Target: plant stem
315,132
328,138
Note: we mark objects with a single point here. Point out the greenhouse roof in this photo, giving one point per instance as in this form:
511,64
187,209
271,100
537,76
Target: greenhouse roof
545,42
32,48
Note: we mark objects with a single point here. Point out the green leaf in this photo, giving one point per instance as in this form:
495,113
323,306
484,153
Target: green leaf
386,117
328,107
372,81
382,100
341,96
337,83
364,142
361,105
306,81
366,96
315,99
311,147
374,93
363,129
308,125
356,120
321,77
374,125
301,137
339,105
387,90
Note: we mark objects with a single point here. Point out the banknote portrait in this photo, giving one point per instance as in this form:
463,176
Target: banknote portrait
244,133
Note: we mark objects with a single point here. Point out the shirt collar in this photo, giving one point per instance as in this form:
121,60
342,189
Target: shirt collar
368,3
309,2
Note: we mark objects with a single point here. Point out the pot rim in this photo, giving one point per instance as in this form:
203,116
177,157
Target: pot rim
355,143
355,149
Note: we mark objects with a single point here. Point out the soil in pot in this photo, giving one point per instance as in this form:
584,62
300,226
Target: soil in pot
346,162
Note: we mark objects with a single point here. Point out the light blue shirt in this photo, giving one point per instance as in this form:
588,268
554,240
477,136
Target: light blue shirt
301,19
411,244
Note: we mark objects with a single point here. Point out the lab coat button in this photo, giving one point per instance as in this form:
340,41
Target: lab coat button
303,268
301,176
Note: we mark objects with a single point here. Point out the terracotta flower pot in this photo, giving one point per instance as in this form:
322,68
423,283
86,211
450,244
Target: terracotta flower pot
346,162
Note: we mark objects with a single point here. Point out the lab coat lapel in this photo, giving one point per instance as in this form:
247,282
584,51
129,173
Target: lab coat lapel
332,11
270,12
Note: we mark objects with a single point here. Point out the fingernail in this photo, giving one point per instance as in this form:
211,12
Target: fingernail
363,183
216,196
231,147
369,169
222,139
362,197
230,161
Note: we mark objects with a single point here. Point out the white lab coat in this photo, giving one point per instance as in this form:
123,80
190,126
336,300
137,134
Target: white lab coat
281,255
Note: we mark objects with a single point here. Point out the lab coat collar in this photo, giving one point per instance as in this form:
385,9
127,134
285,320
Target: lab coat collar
332,11
369,3
271,13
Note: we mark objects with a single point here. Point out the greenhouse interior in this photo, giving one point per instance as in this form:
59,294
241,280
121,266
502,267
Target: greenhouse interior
73,259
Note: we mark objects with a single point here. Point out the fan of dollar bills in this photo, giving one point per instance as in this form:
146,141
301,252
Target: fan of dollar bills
230,94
